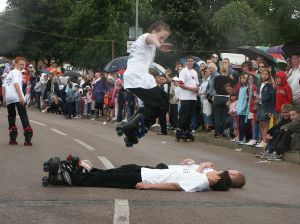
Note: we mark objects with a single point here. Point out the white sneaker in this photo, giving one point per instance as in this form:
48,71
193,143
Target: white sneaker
262,144
125,120
155,125
114,119
252,142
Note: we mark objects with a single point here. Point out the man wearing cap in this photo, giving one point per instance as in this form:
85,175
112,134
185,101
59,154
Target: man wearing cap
294,77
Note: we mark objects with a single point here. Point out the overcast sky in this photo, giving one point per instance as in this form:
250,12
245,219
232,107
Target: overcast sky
2,5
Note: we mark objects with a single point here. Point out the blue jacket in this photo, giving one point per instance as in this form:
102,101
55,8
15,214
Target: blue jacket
268,98
99,89
242,104
211,84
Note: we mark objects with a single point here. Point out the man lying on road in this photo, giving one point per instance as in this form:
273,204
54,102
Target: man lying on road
139,177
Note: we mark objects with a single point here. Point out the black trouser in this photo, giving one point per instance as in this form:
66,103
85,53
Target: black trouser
242,127
126,176
163,123
282,142
11,109
186,113
155,103
69,108
38,101
173,115
221,114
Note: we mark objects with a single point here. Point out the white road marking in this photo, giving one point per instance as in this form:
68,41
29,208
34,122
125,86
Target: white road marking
37,123
121,213
57,131
88,147
106,162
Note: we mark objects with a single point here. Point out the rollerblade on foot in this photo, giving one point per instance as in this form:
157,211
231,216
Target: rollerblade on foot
28,135
189,136
58,172
134,129
13,133
180,136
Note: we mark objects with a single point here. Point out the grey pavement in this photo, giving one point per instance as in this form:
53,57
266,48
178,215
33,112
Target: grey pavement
271,194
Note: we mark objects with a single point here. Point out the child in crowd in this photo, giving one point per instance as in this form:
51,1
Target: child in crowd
242,107
206,105
252,115
77,97
55,105
232,103
288,138
173,113
115,94
88,100
266,105
284,93
273,133
70,97
28,93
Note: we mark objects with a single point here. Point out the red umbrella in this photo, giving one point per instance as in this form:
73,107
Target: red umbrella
279,58
121,71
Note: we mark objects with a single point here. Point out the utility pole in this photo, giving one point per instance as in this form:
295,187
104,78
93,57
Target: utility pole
136,18
112,49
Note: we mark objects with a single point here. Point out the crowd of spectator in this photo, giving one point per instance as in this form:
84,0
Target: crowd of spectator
256,104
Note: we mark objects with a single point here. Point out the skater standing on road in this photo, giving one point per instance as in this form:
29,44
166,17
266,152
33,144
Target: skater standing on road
14,97
189,87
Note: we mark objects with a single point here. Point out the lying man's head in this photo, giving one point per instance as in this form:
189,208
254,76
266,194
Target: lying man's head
219,180
238,179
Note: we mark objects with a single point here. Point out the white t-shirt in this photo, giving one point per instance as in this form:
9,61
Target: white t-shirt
188,180
193,167
294,82
14,76
137,72
189,78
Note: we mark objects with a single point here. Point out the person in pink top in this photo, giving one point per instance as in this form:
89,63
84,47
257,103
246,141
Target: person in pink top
233,116
118,86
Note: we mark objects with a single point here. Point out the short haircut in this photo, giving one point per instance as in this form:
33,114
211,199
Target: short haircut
213,65
17,59
189,57
248,64
286,107
224,183
158,26
296,107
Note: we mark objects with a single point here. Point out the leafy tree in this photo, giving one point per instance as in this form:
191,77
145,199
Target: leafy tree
31,17
281,20
237,24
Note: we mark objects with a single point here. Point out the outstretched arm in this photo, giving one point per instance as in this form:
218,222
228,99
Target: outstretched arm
164,47
162,187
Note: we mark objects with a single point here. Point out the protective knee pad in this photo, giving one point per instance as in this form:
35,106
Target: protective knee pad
13,132
28,133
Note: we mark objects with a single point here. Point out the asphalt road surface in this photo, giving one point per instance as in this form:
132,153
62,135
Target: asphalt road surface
271,194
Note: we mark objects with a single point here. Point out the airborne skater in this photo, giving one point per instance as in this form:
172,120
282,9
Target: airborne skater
138,80
14,98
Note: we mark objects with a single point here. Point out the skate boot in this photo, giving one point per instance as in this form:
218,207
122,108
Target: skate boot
13,133
133,129
28,135
180,136
59,172
189,136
